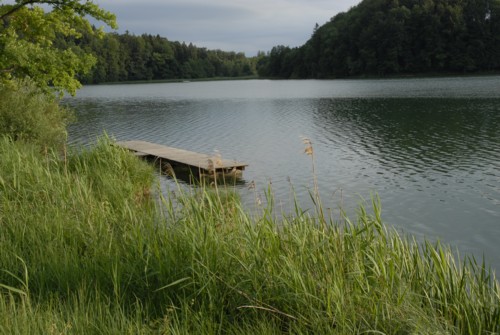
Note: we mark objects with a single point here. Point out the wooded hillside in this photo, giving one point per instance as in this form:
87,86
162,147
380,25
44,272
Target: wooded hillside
390,37
127,57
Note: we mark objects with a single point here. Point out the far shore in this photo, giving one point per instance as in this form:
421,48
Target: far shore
364,77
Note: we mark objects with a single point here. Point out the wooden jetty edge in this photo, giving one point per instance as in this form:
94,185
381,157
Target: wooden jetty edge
202,163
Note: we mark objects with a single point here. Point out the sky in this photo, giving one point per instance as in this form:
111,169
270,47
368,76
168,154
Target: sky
245,26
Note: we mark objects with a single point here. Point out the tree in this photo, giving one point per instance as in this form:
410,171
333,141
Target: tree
390,37
40,56
127,57
27,32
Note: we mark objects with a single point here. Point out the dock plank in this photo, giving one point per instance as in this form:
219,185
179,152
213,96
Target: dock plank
193,159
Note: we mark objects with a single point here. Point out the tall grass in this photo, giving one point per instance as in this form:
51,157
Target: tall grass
85,249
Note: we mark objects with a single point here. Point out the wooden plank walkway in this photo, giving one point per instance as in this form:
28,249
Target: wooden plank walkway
201,162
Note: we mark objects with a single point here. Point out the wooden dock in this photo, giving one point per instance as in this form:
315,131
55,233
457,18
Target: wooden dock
201,163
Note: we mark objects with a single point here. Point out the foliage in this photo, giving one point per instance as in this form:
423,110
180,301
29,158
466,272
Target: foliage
27,32
85,249
28,114
127,57
387,37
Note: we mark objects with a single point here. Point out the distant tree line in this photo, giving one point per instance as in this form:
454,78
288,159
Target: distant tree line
127,57
390,37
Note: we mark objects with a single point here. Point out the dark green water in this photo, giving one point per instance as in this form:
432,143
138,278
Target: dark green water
429,147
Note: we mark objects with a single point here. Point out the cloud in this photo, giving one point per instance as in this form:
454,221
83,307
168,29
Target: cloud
237,25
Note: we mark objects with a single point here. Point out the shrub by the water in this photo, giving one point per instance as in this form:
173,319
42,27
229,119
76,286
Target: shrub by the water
27,113
86,249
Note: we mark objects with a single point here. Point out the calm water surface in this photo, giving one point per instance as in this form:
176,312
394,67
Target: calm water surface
430,148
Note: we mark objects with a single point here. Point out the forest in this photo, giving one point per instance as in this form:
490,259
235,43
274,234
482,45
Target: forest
128,57
374,38
396,37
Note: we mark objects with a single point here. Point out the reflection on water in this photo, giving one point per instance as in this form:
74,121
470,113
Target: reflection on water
429,147
434,162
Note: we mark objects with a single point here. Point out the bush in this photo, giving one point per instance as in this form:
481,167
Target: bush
29,114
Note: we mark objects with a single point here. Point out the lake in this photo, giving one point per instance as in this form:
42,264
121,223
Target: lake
429,147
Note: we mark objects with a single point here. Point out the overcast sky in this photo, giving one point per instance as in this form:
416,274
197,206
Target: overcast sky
231,25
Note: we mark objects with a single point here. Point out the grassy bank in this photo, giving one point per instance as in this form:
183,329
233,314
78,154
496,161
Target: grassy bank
86,249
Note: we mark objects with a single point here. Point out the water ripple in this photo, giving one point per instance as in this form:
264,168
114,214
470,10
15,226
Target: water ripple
431,154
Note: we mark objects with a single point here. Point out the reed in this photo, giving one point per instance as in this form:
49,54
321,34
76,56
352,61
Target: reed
86,248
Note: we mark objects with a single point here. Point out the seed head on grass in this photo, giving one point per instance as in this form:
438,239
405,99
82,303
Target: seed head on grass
309,148
169,170
211,166
316,196
217,158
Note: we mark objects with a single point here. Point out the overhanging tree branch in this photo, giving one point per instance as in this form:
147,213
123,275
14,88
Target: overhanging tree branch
17,7
30,52
80,8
